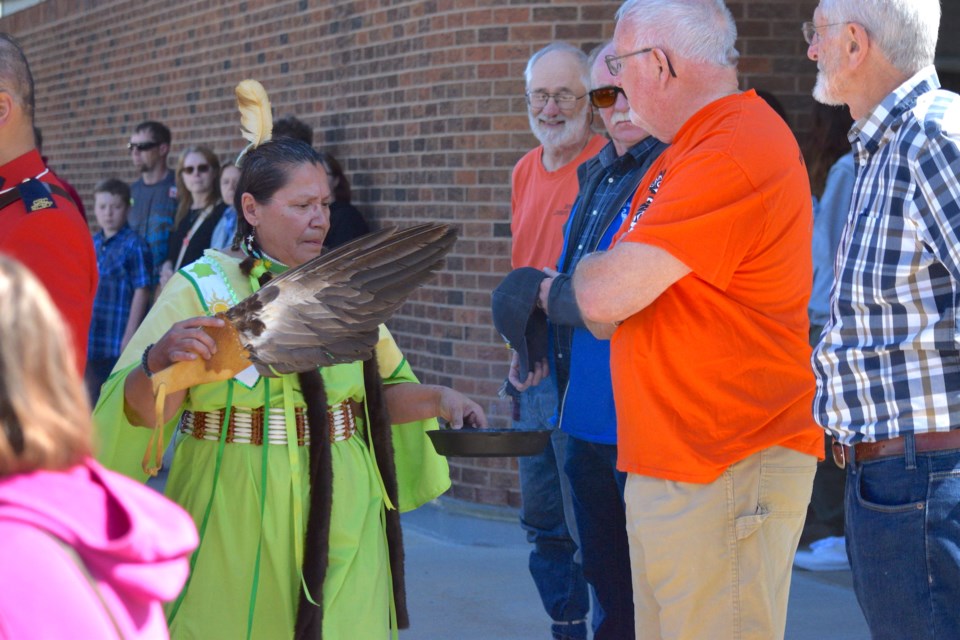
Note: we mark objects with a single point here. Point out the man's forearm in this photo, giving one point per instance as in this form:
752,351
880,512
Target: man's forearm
613,285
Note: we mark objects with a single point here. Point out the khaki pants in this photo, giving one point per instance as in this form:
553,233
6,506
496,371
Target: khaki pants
713,561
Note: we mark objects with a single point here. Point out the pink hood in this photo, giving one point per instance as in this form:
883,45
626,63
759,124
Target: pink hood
133,541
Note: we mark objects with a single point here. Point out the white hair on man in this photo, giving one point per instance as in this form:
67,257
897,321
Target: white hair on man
700,30
579,55
904,30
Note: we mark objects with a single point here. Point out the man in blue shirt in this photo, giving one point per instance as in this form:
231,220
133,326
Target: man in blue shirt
888,364
582,362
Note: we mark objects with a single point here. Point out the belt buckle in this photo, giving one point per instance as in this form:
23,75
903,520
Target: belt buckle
839,454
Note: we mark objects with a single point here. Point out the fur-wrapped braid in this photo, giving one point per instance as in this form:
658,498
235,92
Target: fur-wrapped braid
316,546
309,625
383,448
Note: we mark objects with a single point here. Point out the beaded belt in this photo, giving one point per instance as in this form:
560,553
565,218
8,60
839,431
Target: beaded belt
246,426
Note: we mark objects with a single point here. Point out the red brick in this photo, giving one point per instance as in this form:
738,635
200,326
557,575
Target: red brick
422,100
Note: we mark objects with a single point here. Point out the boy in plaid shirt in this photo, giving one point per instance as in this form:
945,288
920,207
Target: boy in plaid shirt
125,266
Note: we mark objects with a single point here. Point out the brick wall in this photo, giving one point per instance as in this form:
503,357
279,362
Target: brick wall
773,54
422,100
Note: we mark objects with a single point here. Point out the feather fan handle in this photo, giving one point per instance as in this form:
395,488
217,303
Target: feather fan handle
256,119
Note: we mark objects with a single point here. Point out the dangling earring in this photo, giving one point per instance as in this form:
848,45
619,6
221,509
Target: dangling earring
260,264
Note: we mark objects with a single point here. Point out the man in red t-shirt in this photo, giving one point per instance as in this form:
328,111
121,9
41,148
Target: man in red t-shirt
705,295
544,187
39,224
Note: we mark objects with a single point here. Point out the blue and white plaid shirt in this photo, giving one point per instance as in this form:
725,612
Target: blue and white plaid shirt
123,261
889,359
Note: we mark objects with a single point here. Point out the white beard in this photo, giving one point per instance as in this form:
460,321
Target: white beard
571,132
824,90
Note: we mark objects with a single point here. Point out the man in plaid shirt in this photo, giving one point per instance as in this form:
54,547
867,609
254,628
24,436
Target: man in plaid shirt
888,364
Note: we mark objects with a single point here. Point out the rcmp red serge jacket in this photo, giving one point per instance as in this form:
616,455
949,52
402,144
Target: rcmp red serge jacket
43,230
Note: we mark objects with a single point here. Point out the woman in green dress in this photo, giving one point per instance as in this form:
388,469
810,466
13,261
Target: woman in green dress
299,536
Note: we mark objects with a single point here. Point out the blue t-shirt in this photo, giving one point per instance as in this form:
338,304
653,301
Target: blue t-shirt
223,233
152,210
588,408
830,213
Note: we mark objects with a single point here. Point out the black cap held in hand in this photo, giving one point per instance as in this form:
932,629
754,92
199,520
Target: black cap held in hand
518,319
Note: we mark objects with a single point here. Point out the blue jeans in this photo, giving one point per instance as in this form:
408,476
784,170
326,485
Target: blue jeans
597,489
545,514
903,541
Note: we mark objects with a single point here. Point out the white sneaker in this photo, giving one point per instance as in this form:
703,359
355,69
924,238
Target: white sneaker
829,554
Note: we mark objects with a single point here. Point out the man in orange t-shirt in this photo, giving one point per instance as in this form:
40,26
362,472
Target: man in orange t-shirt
705,295
544,188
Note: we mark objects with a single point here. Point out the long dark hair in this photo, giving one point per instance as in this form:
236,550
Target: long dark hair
826,144
264,171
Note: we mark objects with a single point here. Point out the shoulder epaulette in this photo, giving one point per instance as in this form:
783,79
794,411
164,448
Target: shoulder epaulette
38,203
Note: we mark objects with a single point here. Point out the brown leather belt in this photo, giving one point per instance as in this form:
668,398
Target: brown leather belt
923,443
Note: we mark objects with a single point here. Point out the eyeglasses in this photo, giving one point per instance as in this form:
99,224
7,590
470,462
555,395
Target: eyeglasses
811,31
201,168
604,97
142,146
614,65
564,99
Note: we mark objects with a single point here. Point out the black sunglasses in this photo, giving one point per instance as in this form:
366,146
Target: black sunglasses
201,168
142,146
605,97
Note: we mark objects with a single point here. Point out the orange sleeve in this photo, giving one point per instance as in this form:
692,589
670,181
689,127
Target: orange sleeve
710,229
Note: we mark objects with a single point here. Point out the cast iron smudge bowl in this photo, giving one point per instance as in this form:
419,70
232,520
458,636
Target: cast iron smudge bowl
484,443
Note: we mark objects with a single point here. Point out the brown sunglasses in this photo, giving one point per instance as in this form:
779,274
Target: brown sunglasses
605,97
201,168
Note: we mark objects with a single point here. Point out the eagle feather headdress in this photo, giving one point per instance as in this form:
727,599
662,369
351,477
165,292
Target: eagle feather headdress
256,118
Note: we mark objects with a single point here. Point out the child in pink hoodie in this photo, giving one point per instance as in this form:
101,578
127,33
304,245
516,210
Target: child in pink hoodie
84,552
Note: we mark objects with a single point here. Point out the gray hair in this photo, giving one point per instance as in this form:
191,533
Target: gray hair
905,31
566,47
595,53
15,76
701,30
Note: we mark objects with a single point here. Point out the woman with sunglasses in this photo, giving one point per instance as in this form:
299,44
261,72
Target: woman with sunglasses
199,208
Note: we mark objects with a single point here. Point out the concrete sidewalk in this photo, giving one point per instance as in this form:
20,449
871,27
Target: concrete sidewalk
467,579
